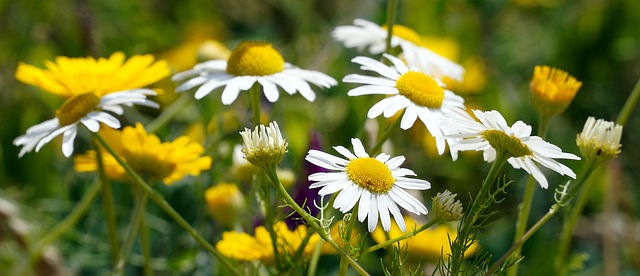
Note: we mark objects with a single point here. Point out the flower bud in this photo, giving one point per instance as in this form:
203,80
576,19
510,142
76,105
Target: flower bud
599,140
264,146
446,207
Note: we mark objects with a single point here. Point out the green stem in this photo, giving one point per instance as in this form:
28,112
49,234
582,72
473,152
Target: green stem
168,113
145,245
344,265
69,221
254,93
387,133
392,6
311,221
573,190
629,105
134,225
569,226
107,205
269,221
166,207
460,244
315,257
527,199
402,237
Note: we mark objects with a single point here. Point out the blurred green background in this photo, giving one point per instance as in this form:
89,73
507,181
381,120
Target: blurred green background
597,41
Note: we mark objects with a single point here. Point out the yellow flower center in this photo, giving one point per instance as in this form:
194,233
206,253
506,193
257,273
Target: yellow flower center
76,107
406,33
254,59
150,166
371,174
420,89
500,140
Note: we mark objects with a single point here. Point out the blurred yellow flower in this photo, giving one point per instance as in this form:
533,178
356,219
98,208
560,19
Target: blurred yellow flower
426,245
241,246
148,156
552,89
225,202
69,77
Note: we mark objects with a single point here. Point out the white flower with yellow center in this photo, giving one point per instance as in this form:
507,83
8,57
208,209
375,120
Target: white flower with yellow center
377,183
365,34
418,94
249,63
493,132
87,109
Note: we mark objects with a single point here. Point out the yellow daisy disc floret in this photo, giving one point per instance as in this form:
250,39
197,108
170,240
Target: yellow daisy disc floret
76,107
254,59
371,174
69,77
420,89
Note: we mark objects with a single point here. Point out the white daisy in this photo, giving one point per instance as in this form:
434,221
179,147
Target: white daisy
249,63
87,109
366,34
420,95
492,131
377,183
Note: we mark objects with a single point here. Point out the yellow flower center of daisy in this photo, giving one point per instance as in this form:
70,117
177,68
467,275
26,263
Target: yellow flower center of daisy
420,89
500,140
406,33
76,107
254,59
371,174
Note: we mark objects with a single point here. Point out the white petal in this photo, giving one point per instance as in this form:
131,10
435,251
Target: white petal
345,152
270,90
358,148
67,141
373,213
384,213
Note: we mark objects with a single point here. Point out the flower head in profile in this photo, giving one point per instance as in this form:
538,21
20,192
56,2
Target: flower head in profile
446,207
552,89
420,95
225,202
264,146
244,247
92,89
376,183
492,132
430,244
365,34
148,156
599,140
251,63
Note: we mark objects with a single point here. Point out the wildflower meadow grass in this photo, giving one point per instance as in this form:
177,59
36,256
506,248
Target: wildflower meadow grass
320,137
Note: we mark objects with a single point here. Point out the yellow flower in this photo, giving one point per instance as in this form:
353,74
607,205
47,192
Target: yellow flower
552,90
148,156
69,77
241,246
426,245
225,202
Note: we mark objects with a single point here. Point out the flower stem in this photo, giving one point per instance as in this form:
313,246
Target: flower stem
569,226
69,221
564,200
145,245
311,221
135,224
387,133
524,210
108,206
347,241
166,207
168,113
629,105
462,241
399,238
254,93
392,6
